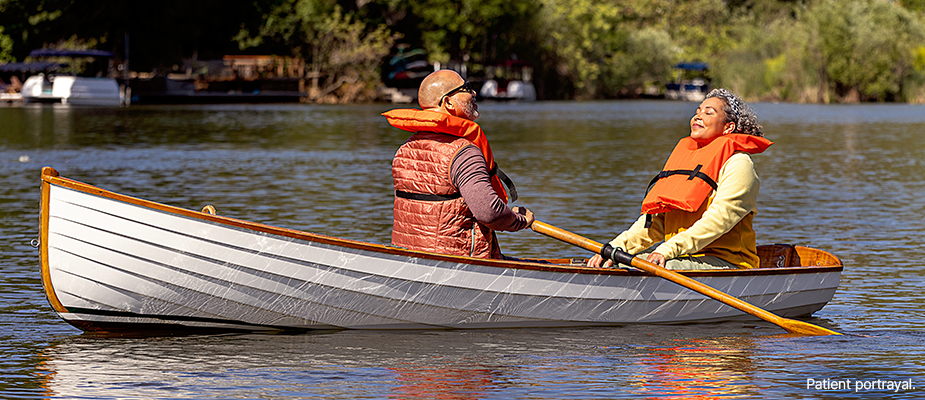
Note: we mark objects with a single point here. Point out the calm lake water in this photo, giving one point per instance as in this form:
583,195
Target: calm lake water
846,179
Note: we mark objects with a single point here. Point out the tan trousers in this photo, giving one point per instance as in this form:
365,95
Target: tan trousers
688,263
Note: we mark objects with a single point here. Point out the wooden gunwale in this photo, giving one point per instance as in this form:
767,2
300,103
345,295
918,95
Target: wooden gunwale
51,177
48,174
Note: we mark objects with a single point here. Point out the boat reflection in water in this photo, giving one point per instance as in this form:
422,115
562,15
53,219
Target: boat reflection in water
433,365
698,369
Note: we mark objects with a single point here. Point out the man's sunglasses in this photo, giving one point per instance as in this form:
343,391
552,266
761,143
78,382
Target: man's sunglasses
462,88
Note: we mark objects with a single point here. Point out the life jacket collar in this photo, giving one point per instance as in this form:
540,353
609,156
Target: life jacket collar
413,120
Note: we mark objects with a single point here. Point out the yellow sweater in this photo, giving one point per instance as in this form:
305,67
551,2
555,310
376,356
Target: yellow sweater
722,226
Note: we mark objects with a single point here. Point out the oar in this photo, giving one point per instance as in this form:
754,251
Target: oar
608,252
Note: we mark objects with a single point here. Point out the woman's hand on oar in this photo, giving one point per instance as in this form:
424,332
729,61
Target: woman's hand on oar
617,255
597,261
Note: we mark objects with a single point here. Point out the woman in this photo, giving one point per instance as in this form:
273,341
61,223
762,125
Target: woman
702,204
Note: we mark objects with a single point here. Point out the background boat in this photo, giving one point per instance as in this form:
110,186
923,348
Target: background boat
94,86
510,80
691,83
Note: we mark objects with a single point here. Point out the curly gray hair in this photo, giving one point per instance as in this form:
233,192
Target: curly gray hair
737,111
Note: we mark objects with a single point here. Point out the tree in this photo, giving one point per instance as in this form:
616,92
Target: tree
867,47
6,47
469,29
604,49
343,52
580,39
645,58
161,34
702,28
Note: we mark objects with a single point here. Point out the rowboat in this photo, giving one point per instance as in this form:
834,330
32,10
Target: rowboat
116,263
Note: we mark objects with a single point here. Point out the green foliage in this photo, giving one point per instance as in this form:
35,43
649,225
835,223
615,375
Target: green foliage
582,36
774,60
483,31
913,5
867,47
6,47
826,50
919,63
349,54
790,50
701,27
343,53
603,49
644,58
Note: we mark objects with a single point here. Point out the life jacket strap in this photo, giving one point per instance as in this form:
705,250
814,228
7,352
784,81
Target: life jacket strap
427,197
691,174
511,189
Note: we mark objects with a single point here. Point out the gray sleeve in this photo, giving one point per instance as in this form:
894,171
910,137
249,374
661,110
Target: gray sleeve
469,172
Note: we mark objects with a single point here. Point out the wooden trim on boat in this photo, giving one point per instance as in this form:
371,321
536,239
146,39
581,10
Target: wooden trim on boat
47,174
824,261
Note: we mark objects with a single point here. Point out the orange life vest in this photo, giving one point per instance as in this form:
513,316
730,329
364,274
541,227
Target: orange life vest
690,174
429,214
413,120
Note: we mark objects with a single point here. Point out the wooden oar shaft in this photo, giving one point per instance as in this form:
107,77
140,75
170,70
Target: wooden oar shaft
792,326
566,236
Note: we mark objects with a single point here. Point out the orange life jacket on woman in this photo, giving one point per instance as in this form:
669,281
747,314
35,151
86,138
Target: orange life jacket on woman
429,213
690,174
684,187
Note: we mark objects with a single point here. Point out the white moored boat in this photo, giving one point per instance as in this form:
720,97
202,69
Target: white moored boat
116,263
50,86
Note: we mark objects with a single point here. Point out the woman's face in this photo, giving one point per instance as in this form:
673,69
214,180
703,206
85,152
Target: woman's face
709,122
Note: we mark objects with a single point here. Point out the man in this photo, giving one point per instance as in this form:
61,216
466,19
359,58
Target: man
448,193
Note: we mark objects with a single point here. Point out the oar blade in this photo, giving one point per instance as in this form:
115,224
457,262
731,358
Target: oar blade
805,328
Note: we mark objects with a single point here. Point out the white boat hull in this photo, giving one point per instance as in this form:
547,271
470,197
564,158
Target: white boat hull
112,262
74,90
515,90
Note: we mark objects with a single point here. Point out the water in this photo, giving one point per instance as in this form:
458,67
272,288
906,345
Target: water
846,179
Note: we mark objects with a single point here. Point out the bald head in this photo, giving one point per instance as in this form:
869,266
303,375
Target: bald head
436,85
